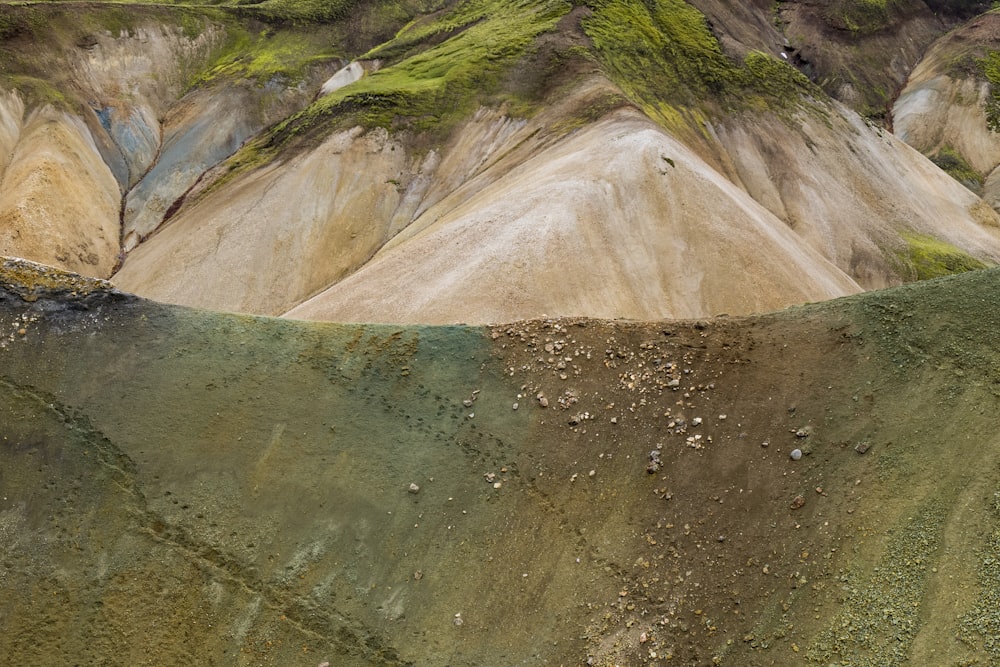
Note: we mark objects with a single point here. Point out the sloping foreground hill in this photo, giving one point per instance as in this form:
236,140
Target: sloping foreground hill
184,487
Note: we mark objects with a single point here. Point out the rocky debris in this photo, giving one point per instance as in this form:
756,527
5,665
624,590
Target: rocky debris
31,281
654,462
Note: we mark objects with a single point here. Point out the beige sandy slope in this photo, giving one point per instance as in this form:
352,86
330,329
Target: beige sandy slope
267,241
848,189
517,219
601,224
944,103
44,153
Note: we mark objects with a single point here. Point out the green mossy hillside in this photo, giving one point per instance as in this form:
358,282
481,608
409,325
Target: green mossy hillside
924,257
436,72
955,165
666,58
989,66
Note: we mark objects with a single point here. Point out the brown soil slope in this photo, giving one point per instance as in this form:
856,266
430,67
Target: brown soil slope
188,487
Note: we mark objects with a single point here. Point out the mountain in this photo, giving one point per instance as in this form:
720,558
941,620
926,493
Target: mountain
603,159
182,486
656,332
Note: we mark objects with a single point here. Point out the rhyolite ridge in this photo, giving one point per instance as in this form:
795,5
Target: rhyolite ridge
609,159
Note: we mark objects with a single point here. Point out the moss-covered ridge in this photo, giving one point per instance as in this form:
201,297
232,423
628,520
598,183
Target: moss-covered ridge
924,257
428,84
666,58
436,70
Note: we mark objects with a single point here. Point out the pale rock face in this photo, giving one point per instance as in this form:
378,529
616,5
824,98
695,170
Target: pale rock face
266,242
615,219
599,224
52,152
848,190
937,111
344,77
131,81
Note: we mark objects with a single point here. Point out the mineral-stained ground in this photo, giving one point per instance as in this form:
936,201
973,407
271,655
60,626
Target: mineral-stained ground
186,487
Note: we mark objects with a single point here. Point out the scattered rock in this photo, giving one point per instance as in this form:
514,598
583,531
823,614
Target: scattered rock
467,403
414,488
796,454
862,447
798,502
490,477
654,462
514,407
458,619
804,432
696,421
418,575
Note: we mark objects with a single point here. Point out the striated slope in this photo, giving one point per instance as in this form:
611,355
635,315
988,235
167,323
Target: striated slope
948,108
187,486
47,151
603,223
150,98
570,207
576,159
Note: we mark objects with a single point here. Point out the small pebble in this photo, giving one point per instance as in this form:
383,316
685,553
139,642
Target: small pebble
796,454
414,488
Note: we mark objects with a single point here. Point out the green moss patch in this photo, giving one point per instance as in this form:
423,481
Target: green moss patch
956,166
860,16
268,55
428,91
926,257
990,68
666,59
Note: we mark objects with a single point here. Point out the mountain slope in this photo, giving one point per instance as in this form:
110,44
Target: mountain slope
243,186
188,486
511,240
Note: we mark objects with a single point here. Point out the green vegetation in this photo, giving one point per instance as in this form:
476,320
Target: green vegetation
429,89
881,616
860,16
666,59
956,166
926,257
983,620
990,68
285,54
34,91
